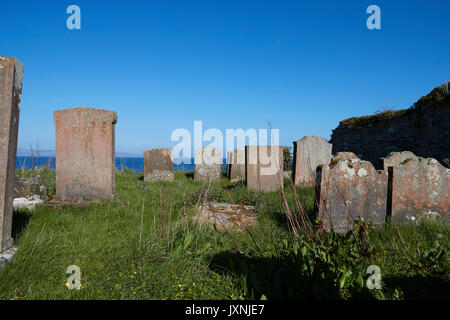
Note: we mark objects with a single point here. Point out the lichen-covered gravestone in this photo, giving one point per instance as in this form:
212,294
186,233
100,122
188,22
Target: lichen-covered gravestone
396,158
349,189
158,165
420,188
11,72
264,168
208,162
85,154
309,153
236,165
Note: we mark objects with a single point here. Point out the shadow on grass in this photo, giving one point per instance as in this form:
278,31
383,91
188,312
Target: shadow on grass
21,219
420,288
189,174
280,278
272,277
231,186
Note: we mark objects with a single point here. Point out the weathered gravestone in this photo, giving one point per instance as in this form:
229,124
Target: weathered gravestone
420,187
236,165
309,153
264,168
396,158
346,155
158,165
349,189
85,154
208,162
11,71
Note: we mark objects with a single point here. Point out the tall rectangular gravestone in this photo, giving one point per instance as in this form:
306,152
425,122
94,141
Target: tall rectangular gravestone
158,165
236,165
264,168
11,71
309,153
85,154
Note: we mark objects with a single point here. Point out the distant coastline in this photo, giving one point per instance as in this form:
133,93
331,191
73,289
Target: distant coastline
134,163
21,152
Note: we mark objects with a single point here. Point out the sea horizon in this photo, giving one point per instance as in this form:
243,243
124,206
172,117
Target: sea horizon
134,163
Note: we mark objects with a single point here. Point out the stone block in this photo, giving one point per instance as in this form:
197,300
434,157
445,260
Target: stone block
25,188
85,154
158,165
309,153
236,165
208,164
264,168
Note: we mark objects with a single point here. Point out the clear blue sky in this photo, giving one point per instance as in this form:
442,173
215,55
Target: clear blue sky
302,65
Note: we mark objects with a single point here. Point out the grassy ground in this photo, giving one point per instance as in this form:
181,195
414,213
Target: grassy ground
145,245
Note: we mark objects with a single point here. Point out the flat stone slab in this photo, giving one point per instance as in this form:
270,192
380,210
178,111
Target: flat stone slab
6,256
225,215
56,204
27,202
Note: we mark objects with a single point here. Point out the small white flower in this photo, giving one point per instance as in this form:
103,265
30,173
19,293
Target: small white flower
439,236
413,218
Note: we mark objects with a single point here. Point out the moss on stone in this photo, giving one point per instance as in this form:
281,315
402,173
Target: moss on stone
437,98
334,162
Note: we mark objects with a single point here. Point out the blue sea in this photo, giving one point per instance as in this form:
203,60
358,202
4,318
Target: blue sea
135,164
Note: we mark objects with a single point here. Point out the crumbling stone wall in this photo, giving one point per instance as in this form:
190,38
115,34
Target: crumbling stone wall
423,130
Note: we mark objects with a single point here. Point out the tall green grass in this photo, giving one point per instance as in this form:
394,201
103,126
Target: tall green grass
147,245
